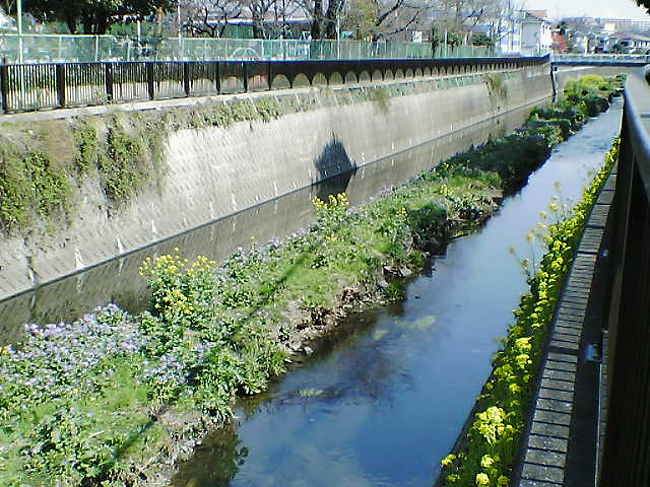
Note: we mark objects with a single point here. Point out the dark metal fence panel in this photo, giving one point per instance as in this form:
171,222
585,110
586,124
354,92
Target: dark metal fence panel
40,86
85,84
203,77
169,79
258,76
30,87
232,76
626,456
131,81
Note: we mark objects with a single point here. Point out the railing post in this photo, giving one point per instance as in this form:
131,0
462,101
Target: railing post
150,84
4,85
60,84
217,81
269,73
245,73
186,77
108,69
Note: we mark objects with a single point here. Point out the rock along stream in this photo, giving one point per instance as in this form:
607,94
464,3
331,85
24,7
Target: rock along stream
381,404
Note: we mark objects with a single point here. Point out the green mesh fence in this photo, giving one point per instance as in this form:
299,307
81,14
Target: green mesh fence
80,48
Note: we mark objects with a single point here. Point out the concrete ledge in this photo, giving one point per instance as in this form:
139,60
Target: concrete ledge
552,429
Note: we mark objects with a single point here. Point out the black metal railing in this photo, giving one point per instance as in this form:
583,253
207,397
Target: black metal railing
25,87
626,453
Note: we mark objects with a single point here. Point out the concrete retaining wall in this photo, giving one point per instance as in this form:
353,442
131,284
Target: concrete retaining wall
566,73
214,172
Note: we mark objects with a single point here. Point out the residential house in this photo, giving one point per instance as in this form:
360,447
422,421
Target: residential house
536,33
628,43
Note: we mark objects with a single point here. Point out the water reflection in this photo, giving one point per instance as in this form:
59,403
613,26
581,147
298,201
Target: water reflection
226,456
118,280
383,403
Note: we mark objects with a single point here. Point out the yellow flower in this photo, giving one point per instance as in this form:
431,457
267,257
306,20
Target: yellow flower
482,479
448,460
487,461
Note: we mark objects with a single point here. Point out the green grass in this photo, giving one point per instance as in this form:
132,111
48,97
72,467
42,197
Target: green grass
214,332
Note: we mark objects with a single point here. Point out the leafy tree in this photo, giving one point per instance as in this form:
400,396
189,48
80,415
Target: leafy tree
360,18
482,39
644,3
93,16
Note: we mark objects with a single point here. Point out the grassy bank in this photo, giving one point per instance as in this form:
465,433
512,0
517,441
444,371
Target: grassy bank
489,450
110,398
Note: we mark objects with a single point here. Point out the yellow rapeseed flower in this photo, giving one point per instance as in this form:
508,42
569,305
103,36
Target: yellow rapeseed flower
482,479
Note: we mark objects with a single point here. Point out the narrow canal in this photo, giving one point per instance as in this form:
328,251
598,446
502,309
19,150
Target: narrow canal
118,281
381,405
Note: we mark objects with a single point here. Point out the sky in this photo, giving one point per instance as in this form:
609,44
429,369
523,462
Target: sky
622,9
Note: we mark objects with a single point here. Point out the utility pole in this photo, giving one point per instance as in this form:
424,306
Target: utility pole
19,22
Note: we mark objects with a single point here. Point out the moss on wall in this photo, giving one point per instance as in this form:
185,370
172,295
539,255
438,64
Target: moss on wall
43,164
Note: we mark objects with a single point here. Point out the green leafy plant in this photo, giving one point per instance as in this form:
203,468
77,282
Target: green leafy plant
496,431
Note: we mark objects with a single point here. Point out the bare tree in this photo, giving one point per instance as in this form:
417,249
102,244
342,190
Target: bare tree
209,17
259,10
397,16
324,16
463,16
8,6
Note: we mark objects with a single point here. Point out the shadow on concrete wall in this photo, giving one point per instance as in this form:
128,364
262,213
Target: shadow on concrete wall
335,169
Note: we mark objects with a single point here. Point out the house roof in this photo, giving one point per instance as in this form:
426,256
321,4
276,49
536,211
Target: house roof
629,36
542,14
537,16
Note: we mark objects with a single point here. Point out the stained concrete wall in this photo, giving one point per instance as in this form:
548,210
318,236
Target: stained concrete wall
214,172
562,74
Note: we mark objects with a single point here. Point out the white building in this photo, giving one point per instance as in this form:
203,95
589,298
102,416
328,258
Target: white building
509,33
536,33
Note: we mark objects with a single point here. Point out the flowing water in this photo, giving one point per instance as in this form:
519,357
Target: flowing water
383,403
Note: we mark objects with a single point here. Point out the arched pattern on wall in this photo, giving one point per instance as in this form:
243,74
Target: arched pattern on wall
335,78
231,84
194,78
351,77
319,79
280,82
365,76
300,80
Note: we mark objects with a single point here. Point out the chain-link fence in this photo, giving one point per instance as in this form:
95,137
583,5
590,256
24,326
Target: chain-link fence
85,48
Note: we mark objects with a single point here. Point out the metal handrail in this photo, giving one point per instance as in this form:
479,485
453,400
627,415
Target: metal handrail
25,87
625,456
